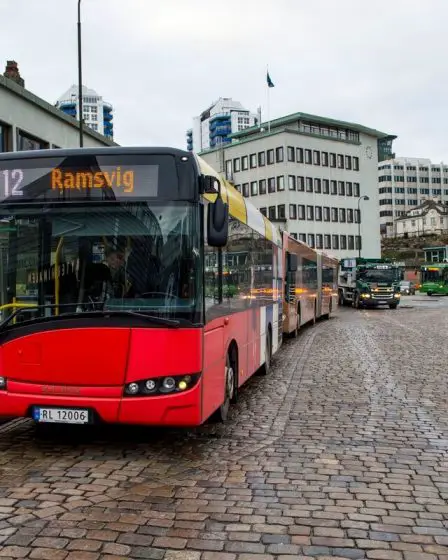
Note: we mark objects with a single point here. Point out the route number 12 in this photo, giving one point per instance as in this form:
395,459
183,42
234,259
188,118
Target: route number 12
12,182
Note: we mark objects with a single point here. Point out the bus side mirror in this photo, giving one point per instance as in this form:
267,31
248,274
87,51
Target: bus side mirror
217,223
292,263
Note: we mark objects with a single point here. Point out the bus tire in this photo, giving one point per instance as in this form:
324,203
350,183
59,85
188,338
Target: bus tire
266,367
222,413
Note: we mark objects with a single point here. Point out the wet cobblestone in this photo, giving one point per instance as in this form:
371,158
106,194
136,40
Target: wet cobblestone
341,452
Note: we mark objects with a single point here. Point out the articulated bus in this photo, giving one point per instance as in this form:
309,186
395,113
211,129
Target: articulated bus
137,287
310,286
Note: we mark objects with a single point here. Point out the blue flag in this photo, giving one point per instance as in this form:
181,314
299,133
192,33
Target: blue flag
269,81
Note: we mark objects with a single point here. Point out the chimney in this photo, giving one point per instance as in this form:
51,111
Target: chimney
12,72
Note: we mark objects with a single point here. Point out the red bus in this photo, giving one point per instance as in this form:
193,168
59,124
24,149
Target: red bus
136,287
310,285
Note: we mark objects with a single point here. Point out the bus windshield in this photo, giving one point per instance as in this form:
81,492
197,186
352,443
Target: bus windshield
379,275
136,256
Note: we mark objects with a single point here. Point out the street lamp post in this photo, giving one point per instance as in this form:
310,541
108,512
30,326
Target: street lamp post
365,197
80,108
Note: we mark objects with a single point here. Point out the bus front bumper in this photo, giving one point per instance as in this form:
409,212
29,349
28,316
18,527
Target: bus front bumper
106,406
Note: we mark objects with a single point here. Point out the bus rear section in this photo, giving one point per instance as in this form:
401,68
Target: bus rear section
434,279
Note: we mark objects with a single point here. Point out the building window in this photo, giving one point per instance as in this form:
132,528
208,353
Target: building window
348,162
238,188
236,165
308,157
261,159
343,239
341,188
302,237
246,190
26,142
281,212
309,184
271,184
332,160
293,235
318,241
335,240
254,188
228,168
327,241
334,214
316,157
4,138
263,211
262,186
356,189
334,187
301,211
272,212
311,240
317,186
357,216
245,163
300,184
342,215
292,182
299,155
348,188
318,213
292,212
355,164
351,243
326,189
340,161
291,153
270,157
350,215
326,214
310,212
281,183
325,159
358,244
253,161
279,154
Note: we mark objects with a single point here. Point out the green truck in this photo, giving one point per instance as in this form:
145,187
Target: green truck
434,279
369,282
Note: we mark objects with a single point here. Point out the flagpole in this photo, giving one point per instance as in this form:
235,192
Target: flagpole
269,102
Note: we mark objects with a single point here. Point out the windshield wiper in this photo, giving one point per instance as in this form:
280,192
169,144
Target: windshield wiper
173,323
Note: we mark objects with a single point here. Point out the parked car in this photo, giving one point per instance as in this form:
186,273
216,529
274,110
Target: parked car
407,288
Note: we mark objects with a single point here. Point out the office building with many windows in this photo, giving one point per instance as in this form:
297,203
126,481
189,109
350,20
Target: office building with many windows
406,183
214,126
30,123
311,173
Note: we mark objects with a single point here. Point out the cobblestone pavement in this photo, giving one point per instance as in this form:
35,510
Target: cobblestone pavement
341,452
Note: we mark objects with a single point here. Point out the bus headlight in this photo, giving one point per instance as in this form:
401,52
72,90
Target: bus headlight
161,385
2,383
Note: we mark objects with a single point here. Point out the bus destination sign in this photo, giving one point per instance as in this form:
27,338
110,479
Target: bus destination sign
20,180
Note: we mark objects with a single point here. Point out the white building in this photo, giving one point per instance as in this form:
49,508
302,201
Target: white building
30,123
97,113
429,218
311,173
404,184
214,125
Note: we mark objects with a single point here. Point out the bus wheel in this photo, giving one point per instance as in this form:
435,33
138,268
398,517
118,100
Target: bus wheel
222,413
266,367
429,294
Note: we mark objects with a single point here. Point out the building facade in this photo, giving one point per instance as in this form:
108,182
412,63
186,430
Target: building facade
30,123
311,173
429,218
404,184
214,126
97,113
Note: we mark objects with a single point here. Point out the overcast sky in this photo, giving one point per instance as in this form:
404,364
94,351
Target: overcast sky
381,63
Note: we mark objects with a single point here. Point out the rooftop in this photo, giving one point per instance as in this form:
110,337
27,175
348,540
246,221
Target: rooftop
282,121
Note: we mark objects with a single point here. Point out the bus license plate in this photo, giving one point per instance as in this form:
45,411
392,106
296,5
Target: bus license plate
61,415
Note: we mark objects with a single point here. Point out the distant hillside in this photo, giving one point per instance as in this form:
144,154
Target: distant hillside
410,250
